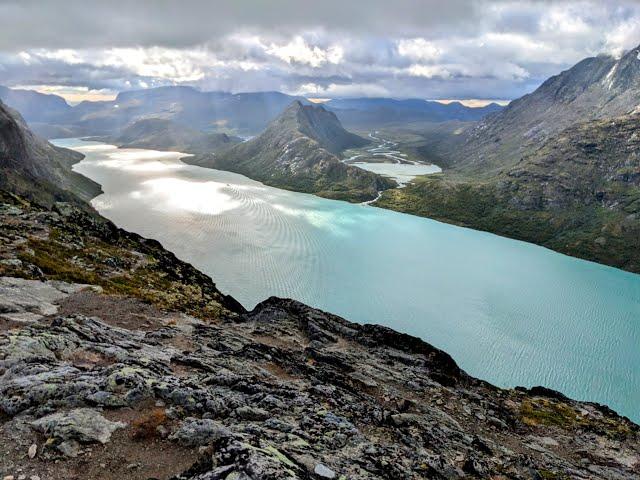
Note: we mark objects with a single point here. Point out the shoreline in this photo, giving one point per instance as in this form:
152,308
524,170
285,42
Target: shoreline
374,205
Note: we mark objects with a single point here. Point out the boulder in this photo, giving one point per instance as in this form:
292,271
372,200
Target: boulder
82,425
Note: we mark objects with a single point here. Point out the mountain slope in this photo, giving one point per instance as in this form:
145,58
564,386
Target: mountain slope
577,193
558,167
595,88
34,167
295,152
34,106
162,134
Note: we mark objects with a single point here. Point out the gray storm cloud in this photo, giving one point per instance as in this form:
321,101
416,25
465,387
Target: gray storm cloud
405,48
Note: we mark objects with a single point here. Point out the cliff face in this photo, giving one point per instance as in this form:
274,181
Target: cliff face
117,360
295,152
33,166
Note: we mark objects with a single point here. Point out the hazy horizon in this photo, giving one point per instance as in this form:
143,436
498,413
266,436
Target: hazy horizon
73,100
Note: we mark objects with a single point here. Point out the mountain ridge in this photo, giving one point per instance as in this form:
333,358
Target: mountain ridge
595,88
163,134
295,152
558,167
34,167
243,113
364,113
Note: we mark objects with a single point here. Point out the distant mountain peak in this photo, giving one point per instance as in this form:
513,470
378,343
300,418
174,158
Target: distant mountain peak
595,88
165,134
164,91
316,123
298,151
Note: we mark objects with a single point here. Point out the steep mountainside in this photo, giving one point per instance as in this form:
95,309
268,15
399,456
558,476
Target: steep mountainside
558,167
318,124
578,193
295,152
33,166
162,134
595,88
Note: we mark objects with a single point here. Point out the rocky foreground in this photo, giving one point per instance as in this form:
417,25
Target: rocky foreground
117,360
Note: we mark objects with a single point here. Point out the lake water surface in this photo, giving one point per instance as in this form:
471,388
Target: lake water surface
507,311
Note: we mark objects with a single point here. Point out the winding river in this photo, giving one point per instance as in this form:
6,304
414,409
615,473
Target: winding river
395,165
508,311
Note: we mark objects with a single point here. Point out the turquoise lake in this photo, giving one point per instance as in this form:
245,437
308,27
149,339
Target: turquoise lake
507,311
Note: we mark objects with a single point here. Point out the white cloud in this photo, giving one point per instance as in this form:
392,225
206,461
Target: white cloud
336,90
623,37
65,55
177,65
298,50
429,71
503,49
418,49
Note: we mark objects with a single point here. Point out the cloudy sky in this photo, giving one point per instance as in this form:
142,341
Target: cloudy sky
328,48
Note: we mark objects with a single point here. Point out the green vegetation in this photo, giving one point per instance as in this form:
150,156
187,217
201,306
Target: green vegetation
75,246
546,412
297,152
93,262
539,411
549,475
577,194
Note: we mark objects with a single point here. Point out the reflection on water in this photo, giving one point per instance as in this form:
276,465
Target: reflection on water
507,311
176,194
402,173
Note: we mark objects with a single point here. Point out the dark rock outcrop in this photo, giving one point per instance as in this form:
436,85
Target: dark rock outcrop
32,166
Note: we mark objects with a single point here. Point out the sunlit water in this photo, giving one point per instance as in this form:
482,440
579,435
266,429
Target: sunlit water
394,164
402,173
507,311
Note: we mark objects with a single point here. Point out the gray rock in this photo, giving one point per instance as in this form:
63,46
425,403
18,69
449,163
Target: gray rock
252,413
82,424
29,300
323,471
11,262
197,432
69,448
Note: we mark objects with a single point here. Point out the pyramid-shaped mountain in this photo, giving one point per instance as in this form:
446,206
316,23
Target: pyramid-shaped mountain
298,151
